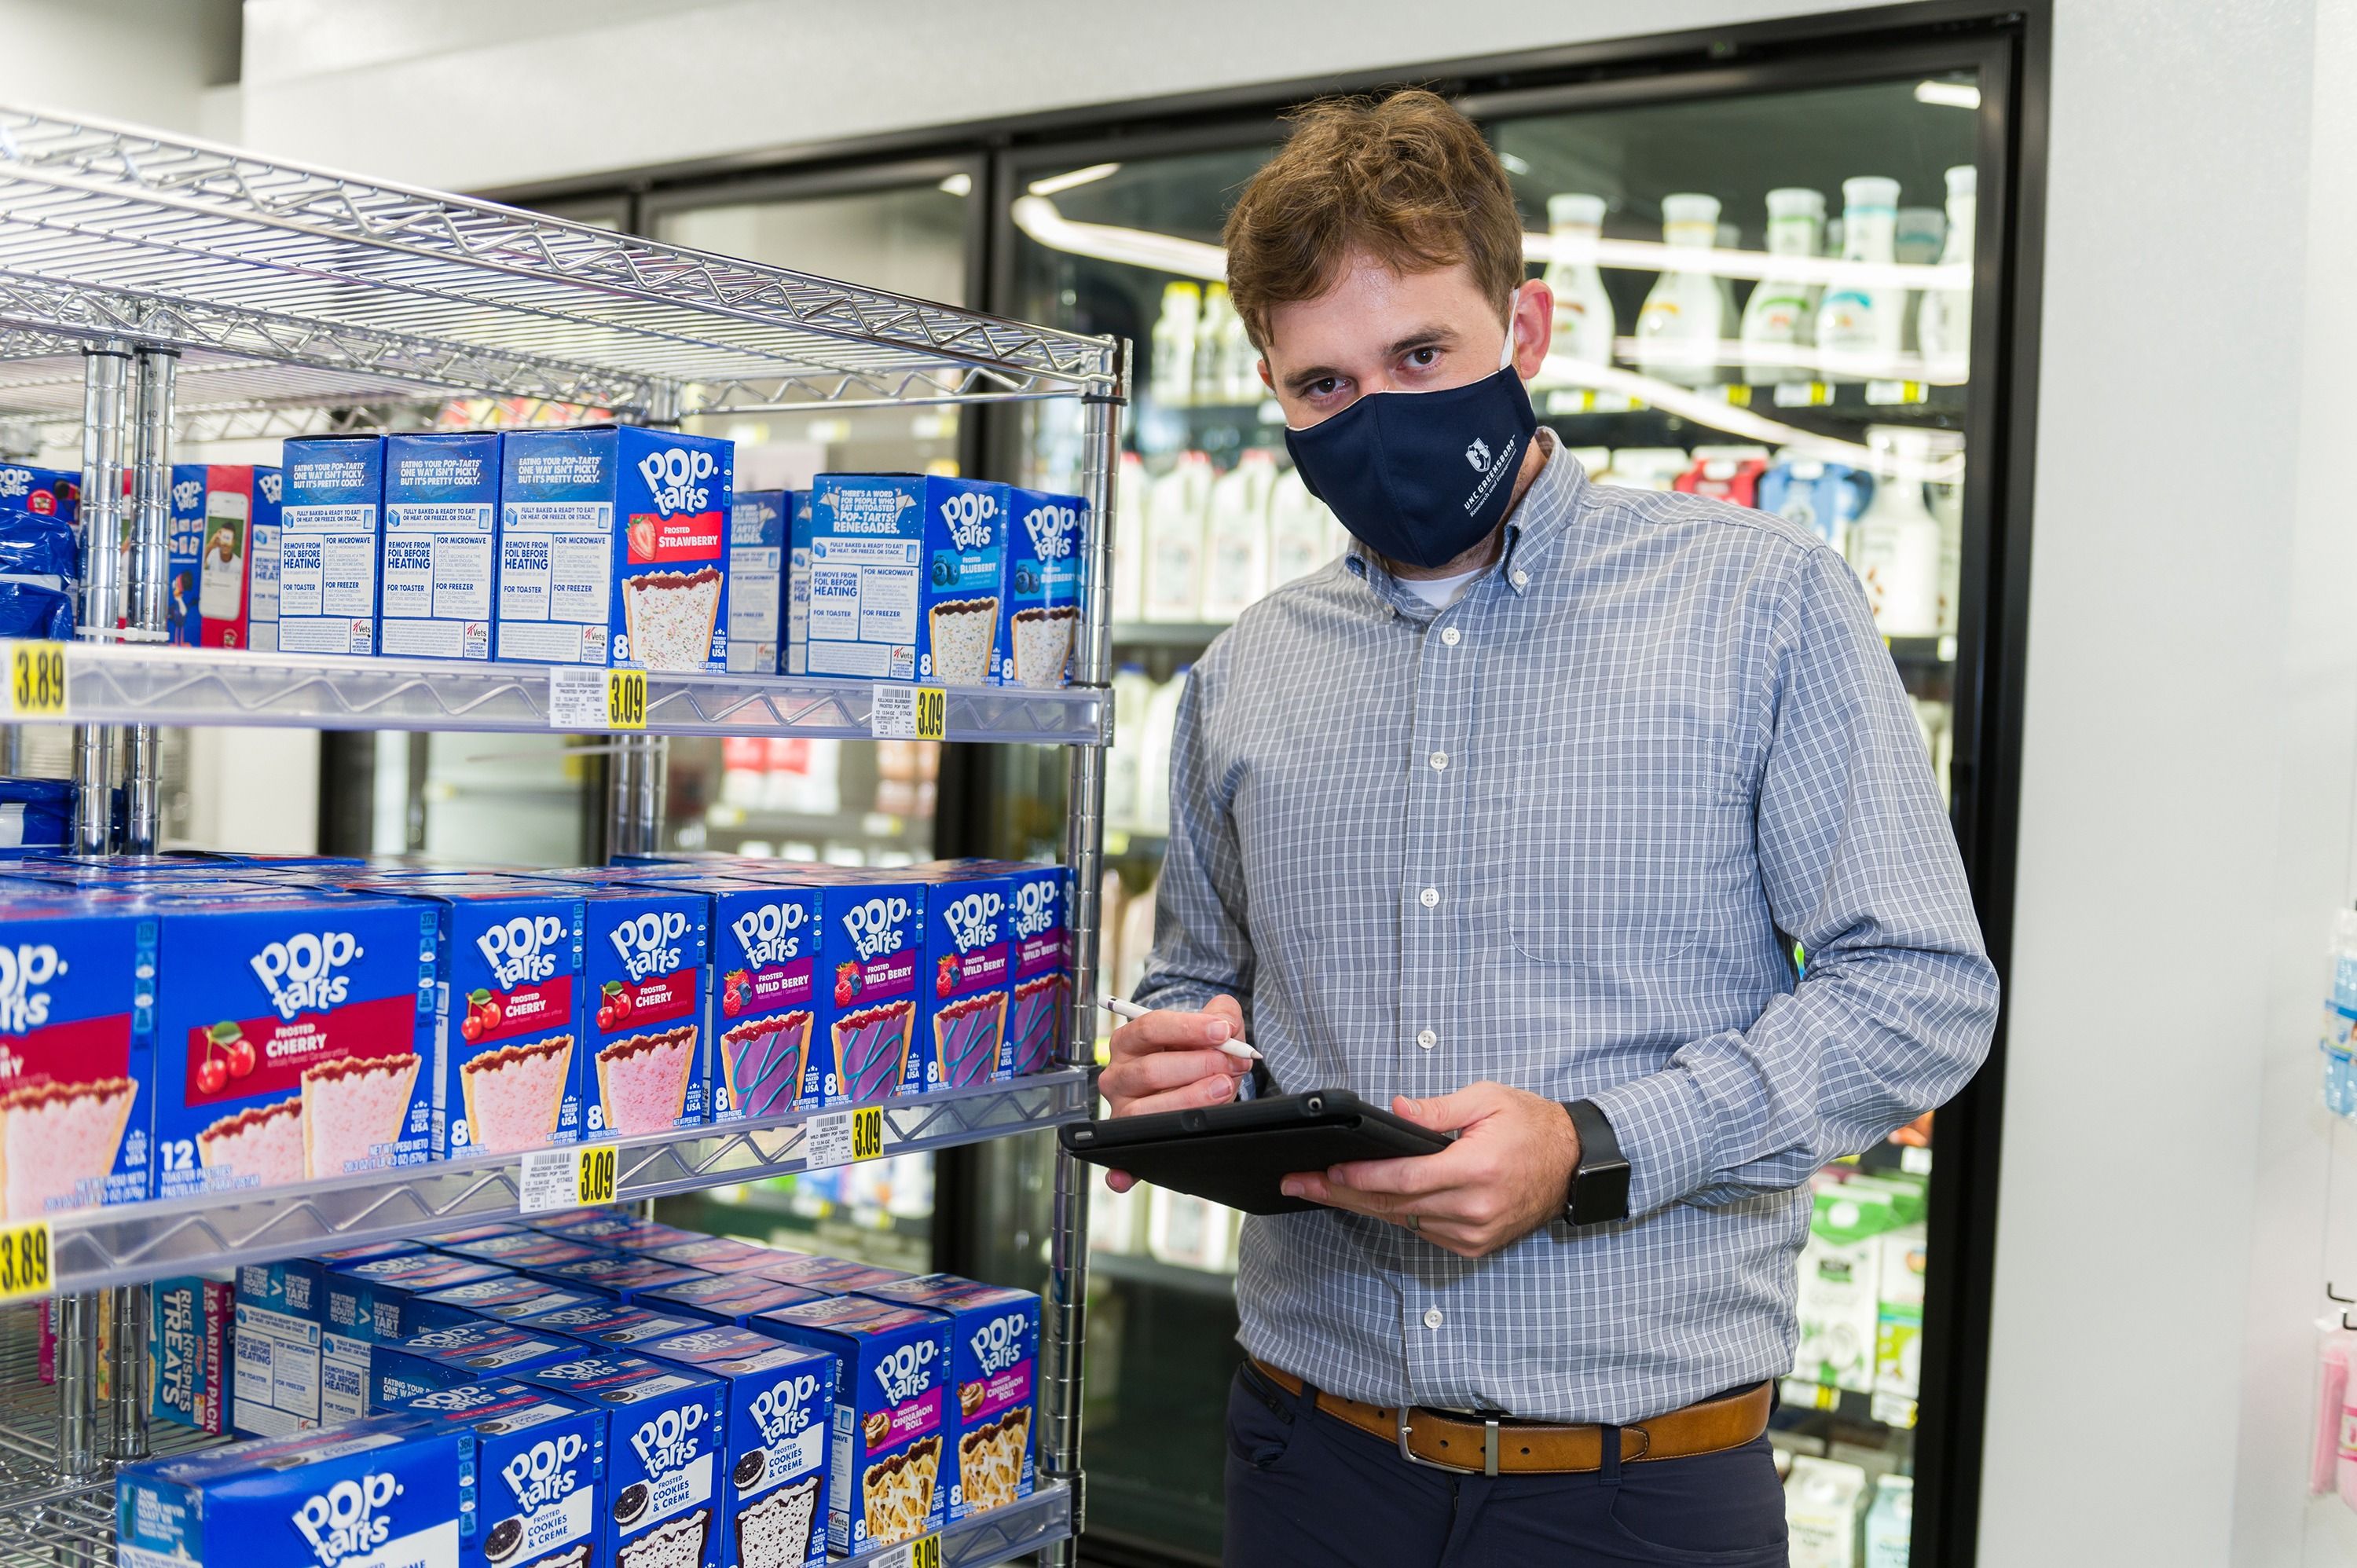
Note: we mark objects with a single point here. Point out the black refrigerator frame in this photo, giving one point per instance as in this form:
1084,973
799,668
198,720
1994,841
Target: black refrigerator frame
2009,46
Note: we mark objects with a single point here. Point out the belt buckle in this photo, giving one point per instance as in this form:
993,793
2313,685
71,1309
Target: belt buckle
1489,1447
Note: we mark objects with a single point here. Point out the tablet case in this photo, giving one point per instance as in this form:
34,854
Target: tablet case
1237,1153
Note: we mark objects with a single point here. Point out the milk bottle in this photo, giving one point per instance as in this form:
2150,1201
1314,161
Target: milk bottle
1944,321
1582,311
1211,334
1890,1523
1780,316
1298,531
1133,492
1173,381
1684,314
1174,539
2340,1018
1861,328
1896,545
1237,569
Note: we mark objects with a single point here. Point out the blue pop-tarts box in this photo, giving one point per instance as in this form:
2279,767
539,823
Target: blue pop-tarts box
539,1465
1038,898
729,1298
646,965
756,559
712,1254
781,1397
382,1299
968,969
281,1319
1040,613
894,1415
368,1251
614,548
44,492
517,1297
872,946
609,1322
793,645
994,1373
866,575
512,1246
623,1279
381,1492
664,1432
765,983
77,1052
329,525
295,1039
466,1350
441,497
606,1228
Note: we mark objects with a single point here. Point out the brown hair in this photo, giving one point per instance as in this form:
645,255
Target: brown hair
1405,178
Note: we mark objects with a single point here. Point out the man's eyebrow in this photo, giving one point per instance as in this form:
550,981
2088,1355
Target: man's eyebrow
1301,380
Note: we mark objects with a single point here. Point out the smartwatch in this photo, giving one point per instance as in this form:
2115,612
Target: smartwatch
1599,1187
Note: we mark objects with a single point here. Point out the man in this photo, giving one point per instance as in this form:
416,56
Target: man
1512,819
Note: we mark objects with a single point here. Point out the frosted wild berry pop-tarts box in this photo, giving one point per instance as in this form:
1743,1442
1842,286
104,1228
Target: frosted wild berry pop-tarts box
773,1467
77,1052
994,1382
614,548
870,948
757,558
964,979
441,496
664,1430
1040,993
329,525
891,1424
295,1039
765,983
1041,614
220,553
539,1459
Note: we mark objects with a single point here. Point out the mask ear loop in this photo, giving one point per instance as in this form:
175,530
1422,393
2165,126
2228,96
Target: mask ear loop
1506,354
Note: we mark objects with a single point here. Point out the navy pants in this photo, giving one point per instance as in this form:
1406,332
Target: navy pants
1305,1490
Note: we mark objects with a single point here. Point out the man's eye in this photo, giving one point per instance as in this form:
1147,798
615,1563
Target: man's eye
1424,358
1324,387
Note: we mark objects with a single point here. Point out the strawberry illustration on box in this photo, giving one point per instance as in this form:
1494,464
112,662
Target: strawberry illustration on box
77,996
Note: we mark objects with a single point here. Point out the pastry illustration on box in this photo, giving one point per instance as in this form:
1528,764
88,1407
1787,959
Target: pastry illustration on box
774,1532
1043,644
642,1079
872,1046
964,638
58,1142
671,616
513,1094
763,1058
1039,1014
965,1037
76,1054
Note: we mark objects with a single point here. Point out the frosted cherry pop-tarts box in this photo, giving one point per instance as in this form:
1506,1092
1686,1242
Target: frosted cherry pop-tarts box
647,969
295,1039
328,527
222,555
77,1052
614,548
441,494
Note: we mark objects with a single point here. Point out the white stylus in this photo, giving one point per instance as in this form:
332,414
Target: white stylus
1131,1010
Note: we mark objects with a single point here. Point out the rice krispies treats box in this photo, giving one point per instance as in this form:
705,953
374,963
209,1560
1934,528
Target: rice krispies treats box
467,1350
756,554
1037,897
328,526
780,1397
441,497
765,939
220,553
382,1492
892,1422
793,645
540,1461
664,1430
614,548
295,1039
870,949
189,1365
605,1321
995,1380
964,983
1040,613
729,1298
77,1052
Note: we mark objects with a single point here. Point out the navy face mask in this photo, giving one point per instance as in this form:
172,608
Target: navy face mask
1420,478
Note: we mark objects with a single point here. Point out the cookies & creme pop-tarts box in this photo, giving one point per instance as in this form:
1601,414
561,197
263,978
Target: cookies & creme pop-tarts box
614,548
871,947
441,495
329,525
605,1321
220,554
765,942
963,991
995,1381
664,1430
617,1278
295,1039
756,557
381,1492
1041,609
729,1298
780,1397
77,1053
539,1461
891,1419
450,1354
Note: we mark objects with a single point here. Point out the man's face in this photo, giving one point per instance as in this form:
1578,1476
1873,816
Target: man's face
1379,330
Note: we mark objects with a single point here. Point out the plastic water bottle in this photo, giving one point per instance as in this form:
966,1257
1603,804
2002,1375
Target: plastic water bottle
2340,1019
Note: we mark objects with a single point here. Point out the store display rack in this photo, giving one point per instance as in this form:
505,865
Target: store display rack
155,289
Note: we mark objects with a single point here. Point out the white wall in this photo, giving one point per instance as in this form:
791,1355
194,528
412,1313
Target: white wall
150,62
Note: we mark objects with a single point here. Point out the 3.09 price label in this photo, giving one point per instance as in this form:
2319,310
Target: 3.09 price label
577,1178
585,699
33,681
25,1258
908,712
845,1137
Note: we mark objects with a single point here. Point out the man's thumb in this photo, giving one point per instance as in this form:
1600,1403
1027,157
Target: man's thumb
1444,1114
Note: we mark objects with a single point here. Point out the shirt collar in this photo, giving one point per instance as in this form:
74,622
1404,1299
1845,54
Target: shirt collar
1540,518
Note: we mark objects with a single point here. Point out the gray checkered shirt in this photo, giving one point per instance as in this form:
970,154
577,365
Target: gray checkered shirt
1563,834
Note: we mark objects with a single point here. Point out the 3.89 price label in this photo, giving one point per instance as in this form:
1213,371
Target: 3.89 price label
35,680
25,1258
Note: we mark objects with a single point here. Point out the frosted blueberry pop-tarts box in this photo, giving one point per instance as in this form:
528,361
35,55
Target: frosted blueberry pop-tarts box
1041,609
328,526
441,495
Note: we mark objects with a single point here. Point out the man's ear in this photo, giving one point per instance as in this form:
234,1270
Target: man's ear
1262,364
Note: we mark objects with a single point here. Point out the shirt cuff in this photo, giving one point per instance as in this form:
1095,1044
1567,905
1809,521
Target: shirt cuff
1664,1127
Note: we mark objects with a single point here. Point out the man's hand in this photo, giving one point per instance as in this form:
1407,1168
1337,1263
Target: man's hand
1172,1061
1505,1176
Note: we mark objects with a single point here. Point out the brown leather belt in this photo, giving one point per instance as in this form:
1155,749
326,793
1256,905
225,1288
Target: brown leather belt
1508,1447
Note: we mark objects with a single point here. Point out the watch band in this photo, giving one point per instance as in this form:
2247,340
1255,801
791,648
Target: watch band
1599,1186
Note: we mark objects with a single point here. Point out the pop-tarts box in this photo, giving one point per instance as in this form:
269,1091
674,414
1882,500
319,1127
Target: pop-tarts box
729,1298
644,1070
441,496
382,1492
280,1317
765,941
497,1244
531,1250
1037,897
712,1254
368,1251
892,1416
968,970
757,557
832,1276
665,1428
613,548
539,1462
328,527
609,1228
623,1279
794,642
871,948
382,1299
780,1399
467,1350
516,1296
908,577
1040,613
77,1052
993,1371
295,1039
605,1321
44,492
221,555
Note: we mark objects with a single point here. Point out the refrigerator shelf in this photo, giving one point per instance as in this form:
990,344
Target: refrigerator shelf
133,1242
160,684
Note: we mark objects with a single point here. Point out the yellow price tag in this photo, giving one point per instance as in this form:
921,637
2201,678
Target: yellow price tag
626,699
593,1174
925,1551
866,1131
37,680
933,713
25,1258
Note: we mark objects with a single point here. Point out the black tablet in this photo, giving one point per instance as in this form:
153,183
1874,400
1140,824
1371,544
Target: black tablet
1237,1153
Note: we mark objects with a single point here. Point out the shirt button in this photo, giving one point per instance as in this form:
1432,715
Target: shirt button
1450,636
1432,1317
1429,897
1440,760
1426,1038
1521,578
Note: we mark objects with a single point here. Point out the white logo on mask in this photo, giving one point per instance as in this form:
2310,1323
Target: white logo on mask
1478,455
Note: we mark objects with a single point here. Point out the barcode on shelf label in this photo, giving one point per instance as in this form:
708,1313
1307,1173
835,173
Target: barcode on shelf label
1802,394
33,681
1893,1410
576,698
841,1137
908,712
574,1177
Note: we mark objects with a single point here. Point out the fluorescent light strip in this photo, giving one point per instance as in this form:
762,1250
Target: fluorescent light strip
1037,216
1061,182
1857,367
1652,256
1948,94
957,185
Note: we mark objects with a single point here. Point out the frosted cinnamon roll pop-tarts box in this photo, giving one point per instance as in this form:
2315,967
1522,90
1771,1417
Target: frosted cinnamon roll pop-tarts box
893,1421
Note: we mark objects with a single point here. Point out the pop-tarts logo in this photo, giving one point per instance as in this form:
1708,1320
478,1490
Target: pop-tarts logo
972,921
1035,906
300,973
785,1408
16,484
649,944
1053,529
874,927
668,1442
771,933
908,1371
24,970
188,495
271,484
999,1344
574,1316
522,950
678,479
699,1342
971,517
545,1472
457,1400
348,1518
459,1337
